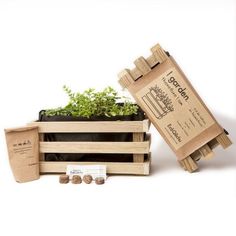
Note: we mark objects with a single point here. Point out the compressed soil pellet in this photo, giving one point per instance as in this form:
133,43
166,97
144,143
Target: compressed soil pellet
87,179
99,180
64,179
76,179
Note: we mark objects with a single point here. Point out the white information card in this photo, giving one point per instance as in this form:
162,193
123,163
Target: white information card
93,170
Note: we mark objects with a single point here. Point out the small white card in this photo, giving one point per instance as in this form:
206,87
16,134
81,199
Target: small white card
93,170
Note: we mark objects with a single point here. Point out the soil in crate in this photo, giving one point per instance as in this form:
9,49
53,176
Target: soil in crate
89,137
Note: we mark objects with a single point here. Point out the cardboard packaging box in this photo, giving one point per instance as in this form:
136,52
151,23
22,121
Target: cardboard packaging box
162,90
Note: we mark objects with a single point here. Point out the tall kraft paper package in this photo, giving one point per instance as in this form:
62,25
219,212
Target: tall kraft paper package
23,151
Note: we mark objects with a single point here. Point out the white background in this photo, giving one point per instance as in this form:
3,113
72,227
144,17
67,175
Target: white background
46,44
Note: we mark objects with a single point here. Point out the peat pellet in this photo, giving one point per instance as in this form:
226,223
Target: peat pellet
99,180
64,179
76,179
87,179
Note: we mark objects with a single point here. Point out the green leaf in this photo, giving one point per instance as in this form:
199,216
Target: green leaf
91,103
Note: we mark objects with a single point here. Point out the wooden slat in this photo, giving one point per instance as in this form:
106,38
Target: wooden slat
213,143
189,164
136,73
224,140
138,137
142,65
125,78
159,53
95,147
152,61
196,156
202,152
93,126
112,167
206,152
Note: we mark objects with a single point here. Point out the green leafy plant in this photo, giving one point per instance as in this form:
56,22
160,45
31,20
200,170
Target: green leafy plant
92,103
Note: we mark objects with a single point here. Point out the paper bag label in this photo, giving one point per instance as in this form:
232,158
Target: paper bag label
175,108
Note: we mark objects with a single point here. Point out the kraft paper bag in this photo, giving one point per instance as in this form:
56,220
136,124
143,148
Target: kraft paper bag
23,151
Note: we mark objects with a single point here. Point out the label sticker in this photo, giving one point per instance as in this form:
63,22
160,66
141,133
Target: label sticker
93,170
175,108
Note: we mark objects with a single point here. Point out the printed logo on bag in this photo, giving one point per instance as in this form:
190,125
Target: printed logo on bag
22,147
22,143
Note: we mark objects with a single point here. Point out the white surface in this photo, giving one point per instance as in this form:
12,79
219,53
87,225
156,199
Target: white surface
46,44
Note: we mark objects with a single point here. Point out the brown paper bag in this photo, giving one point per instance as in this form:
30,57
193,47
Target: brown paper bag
23,151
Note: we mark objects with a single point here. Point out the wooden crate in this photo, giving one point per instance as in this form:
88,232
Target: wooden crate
139,147
141,76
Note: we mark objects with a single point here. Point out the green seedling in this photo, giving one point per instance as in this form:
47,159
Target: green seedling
92,103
